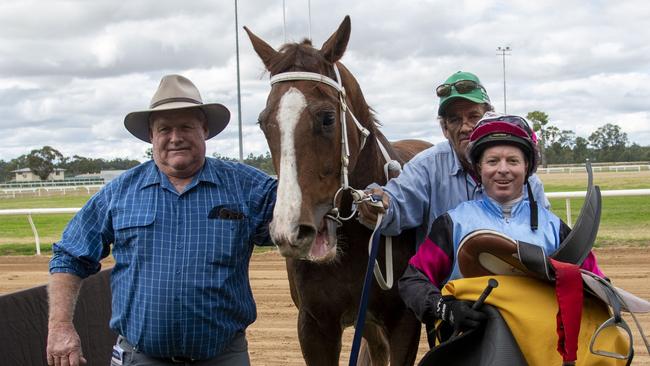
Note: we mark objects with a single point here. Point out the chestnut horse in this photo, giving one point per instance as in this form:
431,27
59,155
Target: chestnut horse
313,149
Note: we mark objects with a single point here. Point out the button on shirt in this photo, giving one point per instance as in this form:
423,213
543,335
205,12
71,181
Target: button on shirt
180,282
432,183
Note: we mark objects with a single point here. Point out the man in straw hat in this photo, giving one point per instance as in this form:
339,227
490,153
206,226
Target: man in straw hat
182,228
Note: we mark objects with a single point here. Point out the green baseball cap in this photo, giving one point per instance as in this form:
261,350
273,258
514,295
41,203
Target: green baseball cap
476,95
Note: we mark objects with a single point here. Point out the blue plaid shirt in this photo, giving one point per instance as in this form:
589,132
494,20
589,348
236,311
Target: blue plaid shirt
180,282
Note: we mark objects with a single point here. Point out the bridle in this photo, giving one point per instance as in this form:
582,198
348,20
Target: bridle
390,164
358,195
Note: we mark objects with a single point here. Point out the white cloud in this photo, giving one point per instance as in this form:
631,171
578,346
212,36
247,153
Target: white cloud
71,70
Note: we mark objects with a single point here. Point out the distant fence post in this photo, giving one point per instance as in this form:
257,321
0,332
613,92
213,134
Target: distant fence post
36,238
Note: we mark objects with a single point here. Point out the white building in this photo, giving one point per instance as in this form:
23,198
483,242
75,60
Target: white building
26,175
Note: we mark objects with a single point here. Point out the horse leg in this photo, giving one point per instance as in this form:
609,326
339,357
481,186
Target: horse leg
376,349
320,339
404,339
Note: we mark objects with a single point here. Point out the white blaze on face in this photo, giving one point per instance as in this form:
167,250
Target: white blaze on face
287,207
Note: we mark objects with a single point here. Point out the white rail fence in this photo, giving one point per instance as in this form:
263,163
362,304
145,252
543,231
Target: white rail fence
581,194
39,191
566,195
595,168
41,211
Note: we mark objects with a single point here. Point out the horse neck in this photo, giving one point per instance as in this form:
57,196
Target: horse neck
369,167
370,162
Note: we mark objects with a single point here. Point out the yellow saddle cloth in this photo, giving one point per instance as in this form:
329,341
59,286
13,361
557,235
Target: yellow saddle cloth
529,307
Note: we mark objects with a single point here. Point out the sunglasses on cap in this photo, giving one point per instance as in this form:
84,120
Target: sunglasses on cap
461,86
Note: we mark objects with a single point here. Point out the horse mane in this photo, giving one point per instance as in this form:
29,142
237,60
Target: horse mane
304,57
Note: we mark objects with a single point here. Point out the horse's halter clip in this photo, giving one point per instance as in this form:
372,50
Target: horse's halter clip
334,213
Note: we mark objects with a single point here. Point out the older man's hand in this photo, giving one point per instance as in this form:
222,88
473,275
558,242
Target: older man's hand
64,345
368,211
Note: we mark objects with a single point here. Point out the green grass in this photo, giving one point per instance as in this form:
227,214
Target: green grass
76,200
16,236
625,220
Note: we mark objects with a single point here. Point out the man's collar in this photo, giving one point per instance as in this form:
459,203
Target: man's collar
206,174
151,175
456,167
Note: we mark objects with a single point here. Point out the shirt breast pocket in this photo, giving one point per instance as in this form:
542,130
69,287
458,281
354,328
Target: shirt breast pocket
228,229
129,226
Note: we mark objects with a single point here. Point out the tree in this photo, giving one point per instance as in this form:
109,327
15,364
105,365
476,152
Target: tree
43,161
580,150
81,165
559,145
262,162
610,141
540,120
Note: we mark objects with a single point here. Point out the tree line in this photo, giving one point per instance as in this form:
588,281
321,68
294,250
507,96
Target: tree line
43,161
558,146
607,144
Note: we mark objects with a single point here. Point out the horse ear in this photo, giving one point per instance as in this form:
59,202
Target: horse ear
334,48
266,52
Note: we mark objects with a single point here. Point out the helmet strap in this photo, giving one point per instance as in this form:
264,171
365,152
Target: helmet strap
533,207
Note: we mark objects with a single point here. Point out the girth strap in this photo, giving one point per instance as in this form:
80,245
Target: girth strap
568,290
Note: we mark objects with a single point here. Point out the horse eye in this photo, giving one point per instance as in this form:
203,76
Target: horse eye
327,119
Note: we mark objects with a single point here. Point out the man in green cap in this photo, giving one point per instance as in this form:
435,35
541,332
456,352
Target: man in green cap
438,179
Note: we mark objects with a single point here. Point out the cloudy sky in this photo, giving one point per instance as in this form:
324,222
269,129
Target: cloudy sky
71,70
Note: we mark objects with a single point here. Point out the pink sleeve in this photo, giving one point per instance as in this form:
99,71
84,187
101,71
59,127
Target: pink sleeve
590,265
432,261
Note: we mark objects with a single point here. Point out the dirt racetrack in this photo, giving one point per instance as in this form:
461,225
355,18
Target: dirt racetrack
273,338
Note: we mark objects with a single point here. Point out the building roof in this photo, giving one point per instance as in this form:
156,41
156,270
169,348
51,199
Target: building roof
26,170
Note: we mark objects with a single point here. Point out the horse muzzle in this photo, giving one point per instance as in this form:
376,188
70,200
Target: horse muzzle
307,242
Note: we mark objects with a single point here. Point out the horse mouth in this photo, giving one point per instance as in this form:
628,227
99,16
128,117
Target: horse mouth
323,249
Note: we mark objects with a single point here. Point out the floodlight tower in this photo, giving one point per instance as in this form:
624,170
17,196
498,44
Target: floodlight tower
504,51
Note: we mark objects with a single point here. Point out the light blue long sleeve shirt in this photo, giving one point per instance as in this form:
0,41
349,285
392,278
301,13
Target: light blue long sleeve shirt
432,183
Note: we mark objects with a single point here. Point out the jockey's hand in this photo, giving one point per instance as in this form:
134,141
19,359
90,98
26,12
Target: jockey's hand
458,313
368,211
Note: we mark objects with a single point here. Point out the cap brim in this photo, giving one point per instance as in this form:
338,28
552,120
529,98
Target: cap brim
218,116
452,98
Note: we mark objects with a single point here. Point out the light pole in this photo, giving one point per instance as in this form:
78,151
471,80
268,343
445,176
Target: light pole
502,51
241,147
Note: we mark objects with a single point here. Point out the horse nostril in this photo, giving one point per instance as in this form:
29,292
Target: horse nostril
306,232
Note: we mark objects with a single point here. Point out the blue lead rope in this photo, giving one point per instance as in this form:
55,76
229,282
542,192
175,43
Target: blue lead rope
365,294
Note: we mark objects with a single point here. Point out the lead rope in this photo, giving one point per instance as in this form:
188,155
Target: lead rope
358,197
365,292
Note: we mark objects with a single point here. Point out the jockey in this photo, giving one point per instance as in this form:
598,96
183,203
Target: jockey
503,153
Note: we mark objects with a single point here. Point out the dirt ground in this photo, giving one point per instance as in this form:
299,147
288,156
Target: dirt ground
273,338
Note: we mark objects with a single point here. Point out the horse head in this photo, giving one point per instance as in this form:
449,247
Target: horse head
311,144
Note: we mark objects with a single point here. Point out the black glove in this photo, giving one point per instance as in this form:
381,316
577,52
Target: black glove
458,313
